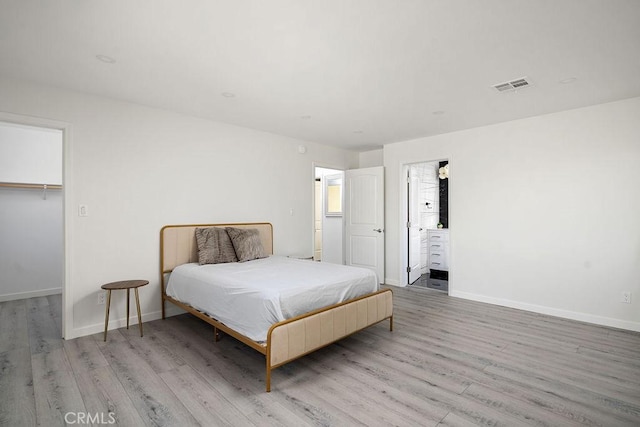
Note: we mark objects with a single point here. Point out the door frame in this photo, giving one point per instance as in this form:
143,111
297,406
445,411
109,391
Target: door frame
404,212
67,206
321,165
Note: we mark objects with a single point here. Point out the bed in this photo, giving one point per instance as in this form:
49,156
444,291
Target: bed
293,322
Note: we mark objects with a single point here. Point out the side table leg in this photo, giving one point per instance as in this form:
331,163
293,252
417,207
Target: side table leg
139,316
127,308
106,316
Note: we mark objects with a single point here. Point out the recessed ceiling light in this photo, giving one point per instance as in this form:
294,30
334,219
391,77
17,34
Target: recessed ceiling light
568,80
106,59
228,94
305,117
438,113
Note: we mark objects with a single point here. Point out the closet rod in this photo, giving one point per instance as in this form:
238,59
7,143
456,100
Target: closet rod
35,186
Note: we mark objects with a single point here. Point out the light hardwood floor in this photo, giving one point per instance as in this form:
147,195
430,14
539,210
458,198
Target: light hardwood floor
449,362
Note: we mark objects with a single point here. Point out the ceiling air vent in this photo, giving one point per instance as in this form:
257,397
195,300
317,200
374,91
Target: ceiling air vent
513,85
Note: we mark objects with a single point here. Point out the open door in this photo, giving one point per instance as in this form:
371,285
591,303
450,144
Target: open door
413,225
364,211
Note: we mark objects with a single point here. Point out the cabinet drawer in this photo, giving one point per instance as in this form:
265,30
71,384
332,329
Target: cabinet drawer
438,235
437,246
438,249
435,264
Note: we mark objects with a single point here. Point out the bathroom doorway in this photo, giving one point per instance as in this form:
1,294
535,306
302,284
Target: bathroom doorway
328,216
427,224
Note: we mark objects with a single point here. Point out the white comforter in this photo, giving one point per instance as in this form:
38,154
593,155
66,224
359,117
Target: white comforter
251,296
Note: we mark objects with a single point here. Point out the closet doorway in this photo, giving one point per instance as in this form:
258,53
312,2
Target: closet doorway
427,224
32,221
328,215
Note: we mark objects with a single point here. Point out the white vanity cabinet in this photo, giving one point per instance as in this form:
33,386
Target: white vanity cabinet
438,248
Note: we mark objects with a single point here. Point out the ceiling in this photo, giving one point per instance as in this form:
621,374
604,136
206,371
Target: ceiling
354,74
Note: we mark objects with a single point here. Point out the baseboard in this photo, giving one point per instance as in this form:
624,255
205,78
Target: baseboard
31,294
566,314
122,322
393,282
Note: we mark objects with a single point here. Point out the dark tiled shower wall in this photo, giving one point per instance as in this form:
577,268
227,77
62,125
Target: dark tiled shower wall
444,199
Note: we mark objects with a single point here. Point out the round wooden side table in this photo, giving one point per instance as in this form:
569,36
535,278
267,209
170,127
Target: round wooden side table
128,285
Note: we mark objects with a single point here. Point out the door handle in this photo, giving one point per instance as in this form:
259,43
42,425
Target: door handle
379,230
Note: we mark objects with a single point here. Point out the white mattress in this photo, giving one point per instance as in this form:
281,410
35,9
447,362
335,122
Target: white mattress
251,296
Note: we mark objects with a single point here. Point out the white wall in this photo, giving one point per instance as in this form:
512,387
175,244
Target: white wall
30,155
31,257
371,158
140,168
552,225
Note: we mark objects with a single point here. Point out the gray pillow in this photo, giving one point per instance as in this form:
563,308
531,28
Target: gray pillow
247,243
214,246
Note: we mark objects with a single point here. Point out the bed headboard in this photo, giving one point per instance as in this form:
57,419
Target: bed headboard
178,242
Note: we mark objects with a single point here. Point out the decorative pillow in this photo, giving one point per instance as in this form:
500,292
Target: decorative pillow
247,243
214,246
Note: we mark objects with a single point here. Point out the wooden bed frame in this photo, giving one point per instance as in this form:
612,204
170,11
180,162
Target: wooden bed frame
291,338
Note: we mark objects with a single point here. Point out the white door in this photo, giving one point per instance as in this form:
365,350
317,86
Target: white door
413,226
364,217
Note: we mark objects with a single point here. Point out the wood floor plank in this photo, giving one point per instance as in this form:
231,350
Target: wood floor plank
631,338
524,391
460,350
321,402
154,401
212,360
615,381
630,364
44,333
453,420
554,403
159,357
55,388
55,308
393,373
276,414
84,354
207,405
14,333
431,368
216,363
404,408
619,413
104,396
225,366
510,405
245,364
17,400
